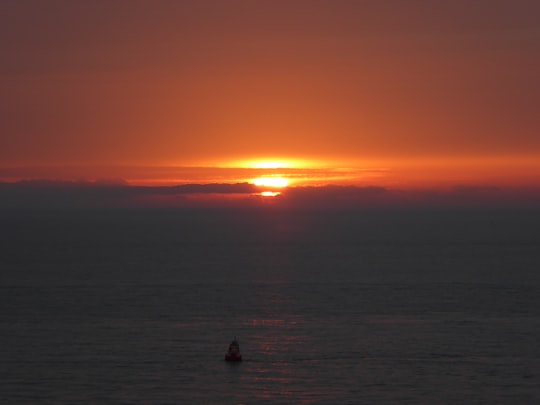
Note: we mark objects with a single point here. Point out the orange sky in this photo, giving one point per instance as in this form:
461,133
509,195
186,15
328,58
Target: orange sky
397,93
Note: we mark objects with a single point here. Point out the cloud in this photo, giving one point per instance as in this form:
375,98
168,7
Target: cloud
46,194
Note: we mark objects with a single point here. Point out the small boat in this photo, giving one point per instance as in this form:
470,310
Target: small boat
233,354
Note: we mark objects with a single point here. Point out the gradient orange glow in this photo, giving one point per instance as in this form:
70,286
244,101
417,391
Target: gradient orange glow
434,172
349,93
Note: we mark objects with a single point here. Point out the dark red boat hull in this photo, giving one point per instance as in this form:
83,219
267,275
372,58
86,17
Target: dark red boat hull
233,358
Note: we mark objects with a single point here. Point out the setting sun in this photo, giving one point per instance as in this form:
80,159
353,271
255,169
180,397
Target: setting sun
278,182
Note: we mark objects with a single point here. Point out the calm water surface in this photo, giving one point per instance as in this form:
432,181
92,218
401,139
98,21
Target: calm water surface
302,343
138,307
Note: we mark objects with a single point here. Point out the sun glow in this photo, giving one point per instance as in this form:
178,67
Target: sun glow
277,182
273,163
270,164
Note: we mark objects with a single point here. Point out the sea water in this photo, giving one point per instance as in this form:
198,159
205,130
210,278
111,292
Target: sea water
139,308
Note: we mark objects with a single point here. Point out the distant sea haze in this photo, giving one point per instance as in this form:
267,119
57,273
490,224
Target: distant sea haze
268,244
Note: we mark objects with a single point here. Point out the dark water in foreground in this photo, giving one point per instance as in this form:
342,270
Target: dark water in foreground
302,343
138,307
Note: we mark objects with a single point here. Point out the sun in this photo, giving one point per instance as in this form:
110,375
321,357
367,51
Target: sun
271,182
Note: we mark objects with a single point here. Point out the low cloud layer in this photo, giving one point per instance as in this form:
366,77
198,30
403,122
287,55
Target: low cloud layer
37,195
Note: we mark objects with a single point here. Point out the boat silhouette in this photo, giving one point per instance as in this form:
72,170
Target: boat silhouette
233,354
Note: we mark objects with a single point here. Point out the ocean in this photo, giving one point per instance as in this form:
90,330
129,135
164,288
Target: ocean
383,307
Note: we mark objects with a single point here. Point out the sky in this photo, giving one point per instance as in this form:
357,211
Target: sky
390,93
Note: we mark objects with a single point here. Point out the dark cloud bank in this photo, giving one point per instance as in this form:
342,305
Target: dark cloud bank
45,194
